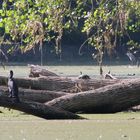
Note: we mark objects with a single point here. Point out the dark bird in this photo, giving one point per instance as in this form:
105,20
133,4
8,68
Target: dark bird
131,74
83,76
12,87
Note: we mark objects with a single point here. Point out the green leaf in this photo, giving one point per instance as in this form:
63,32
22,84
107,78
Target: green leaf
1,24
95,13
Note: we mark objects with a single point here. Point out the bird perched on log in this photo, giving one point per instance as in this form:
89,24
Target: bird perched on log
83,76
12,87
109,76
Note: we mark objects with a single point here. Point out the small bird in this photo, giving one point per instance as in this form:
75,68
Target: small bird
131,74
12,87
109,76
83,76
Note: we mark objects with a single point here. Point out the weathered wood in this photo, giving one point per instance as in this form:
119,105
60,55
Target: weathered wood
36,95
60,83
49,83
108,99
37,109
36,71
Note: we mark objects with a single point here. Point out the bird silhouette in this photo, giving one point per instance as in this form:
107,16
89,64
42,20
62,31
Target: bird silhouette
12,87
109,76
83,76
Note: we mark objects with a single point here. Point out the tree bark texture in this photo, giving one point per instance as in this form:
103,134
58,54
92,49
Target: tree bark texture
36,71
108,99
37,109
36,95
60,83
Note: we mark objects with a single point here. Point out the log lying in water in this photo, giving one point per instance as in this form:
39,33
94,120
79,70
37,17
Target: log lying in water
108,99
44,83
60,83
36,71
36,95
37,109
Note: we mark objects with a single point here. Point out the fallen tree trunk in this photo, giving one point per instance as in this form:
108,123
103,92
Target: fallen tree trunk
36,71
49,83
60,83
108,99
36,95
37,109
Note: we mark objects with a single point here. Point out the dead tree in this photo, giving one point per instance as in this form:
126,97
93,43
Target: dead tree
36,71
108,99
37,109
60,83
35,95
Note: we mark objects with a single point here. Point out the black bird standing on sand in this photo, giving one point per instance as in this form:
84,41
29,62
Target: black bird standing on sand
12,86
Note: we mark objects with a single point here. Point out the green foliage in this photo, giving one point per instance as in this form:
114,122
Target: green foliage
133,44
108,21
29,23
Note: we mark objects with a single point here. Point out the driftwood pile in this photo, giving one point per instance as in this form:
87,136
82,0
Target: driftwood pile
47,95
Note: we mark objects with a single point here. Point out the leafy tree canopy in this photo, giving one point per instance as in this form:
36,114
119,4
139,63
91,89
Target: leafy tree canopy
29,23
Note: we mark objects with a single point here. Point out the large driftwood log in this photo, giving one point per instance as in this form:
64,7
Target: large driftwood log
37,109
35,95
60,83
36,71
108,99
44,83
